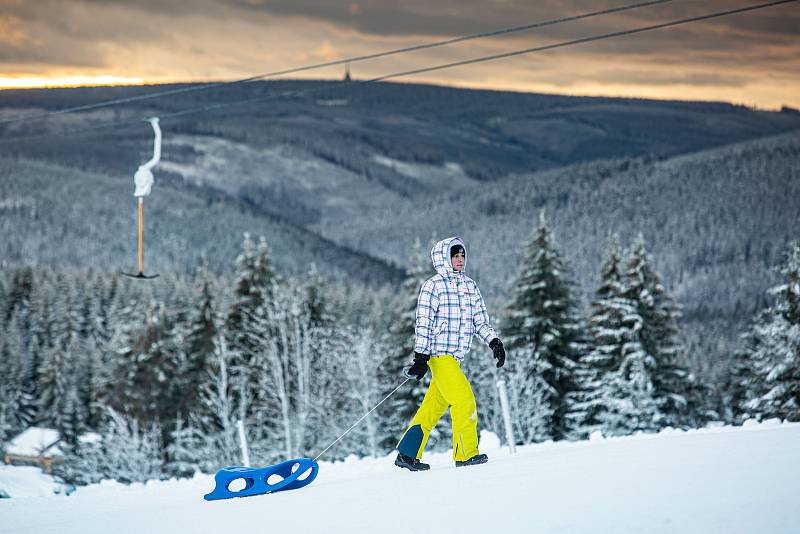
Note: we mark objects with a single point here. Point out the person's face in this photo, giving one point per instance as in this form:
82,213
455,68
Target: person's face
458,261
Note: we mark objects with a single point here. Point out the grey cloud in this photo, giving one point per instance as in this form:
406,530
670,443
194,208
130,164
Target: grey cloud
74,34
459,17
732,36
159,21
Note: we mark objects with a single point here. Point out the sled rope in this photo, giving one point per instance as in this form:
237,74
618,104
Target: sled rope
362,418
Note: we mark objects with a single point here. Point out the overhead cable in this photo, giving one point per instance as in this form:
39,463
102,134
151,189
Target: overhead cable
339,85
294,70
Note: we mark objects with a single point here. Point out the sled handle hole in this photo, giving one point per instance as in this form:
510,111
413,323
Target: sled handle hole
240,484
306,473
273,479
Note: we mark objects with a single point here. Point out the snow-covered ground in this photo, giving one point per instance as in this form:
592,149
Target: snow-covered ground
719,480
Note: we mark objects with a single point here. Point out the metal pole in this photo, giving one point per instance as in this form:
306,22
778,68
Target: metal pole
504,406
141,224
243,444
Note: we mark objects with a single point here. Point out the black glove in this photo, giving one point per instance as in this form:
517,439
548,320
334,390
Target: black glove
499,352
418,369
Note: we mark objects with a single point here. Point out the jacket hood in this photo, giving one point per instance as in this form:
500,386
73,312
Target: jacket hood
440,256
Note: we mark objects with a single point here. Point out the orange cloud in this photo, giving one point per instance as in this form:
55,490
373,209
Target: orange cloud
11,32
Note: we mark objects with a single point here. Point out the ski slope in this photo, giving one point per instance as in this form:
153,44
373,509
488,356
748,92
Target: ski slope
718,480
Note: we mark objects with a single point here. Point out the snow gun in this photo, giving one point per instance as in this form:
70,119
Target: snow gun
143,179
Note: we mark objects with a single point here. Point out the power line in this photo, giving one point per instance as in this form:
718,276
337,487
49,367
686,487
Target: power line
424,46
428,69
583,40
502,55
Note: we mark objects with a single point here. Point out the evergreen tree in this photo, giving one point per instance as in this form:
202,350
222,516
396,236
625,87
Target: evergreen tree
630,395
149,365
54,385
73,422
197,351
81,463
774,352
543,333
27,355
14,415
320,314
129,452
90,386
255,285
610,330
735,383
183,452
248,323
20,291
672,387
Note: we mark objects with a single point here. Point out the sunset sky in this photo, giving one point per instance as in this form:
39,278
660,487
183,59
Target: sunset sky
751,58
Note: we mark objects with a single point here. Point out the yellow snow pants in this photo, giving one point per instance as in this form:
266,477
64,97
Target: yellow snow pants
449,387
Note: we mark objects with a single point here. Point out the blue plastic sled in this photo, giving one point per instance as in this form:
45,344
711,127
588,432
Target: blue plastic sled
257,479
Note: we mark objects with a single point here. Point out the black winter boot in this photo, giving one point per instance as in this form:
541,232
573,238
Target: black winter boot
475,460
412,464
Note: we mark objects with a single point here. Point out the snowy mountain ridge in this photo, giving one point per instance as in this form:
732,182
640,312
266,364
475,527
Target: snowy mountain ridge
727,480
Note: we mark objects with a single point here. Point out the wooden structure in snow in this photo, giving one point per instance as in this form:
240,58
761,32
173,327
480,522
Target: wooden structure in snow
34,446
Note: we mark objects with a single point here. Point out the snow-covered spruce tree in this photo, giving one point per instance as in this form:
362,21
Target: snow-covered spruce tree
197,350
736,382
4,317
126,452
628,393
255,291
255,285
319,311
147,368
672,384
81,463
132,318
183,454
130,451
54,385
542,332
610,330
774,352
19,293
13,398
90,383
402,406
106,320
23,344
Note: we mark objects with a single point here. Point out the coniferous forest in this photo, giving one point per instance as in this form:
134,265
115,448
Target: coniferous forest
640,278
163,371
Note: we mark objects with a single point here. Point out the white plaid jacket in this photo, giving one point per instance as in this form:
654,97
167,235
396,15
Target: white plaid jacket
450,309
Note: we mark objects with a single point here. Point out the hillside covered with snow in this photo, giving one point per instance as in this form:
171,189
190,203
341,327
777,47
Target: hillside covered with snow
727,480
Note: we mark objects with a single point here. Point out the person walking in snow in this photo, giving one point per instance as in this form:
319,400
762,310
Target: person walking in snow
450,310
